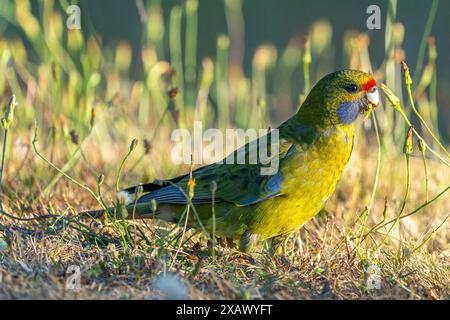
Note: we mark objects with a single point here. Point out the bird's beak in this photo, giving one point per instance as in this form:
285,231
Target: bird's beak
373,96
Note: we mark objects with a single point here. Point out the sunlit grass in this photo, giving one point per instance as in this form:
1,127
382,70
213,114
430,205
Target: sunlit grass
86,111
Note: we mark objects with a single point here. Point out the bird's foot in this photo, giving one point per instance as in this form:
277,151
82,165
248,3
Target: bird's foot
278,250
278,245
248,242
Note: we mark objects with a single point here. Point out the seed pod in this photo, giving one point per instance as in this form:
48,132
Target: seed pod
405,68
100,179
74,137
386,209
133,144
9,114
408,146
421,145
392,98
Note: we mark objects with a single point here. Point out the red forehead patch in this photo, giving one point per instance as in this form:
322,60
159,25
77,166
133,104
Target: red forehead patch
369,84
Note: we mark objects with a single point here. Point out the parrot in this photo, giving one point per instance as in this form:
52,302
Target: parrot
246,207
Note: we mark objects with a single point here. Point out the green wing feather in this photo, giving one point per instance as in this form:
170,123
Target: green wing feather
241,184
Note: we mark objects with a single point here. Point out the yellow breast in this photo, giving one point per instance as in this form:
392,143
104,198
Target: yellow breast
309,179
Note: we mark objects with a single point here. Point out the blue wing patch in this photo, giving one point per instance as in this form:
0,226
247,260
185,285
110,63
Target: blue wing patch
173,194
271,189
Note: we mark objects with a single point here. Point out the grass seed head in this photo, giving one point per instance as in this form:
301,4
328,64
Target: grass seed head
133,144
408,146
100,179
9,114
392,98
421,145
408,80
74,137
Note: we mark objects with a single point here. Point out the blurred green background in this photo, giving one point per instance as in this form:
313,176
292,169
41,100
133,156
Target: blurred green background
279,21
251,23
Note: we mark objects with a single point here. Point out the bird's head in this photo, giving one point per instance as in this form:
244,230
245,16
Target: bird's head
340,97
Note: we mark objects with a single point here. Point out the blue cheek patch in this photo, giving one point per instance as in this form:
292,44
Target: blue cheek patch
348,112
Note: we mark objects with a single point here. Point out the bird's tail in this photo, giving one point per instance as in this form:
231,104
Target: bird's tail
133,207
135,211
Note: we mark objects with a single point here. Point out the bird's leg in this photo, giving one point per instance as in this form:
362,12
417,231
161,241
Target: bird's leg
212,244
248,241
323,215
231,243
278,246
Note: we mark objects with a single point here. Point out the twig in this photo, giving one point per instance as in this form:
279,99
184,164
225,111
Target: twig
62,172
377,172
425,204
408,82
431,234
132,147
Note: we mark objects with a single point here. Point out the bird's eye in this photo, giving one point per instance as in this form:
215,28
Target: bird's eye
352,88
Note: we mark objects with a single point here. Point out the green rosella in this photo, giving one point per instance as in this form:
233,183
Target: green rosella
314,147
